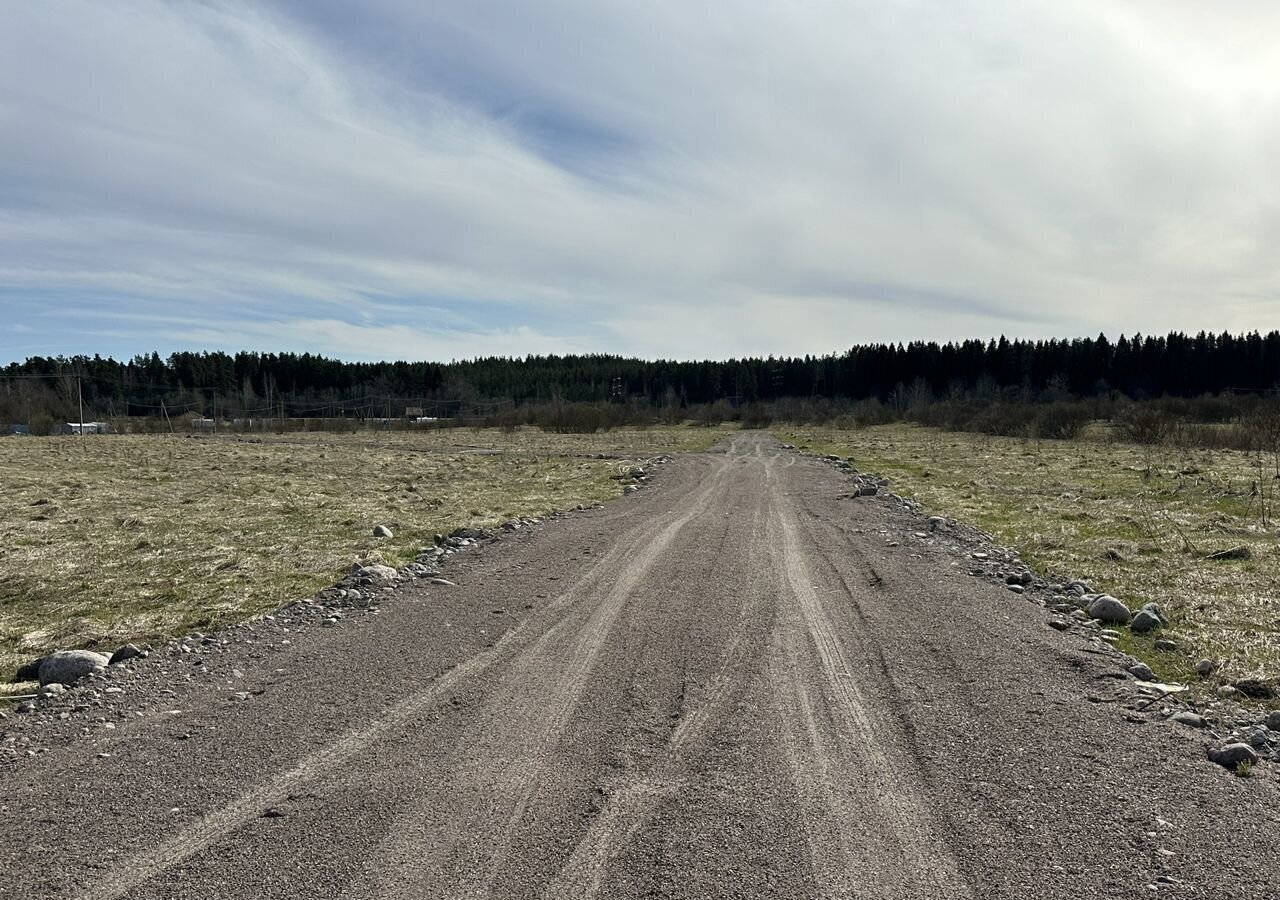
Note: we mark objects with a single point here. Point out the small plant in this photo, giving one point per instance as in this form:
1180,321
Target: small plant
1244,769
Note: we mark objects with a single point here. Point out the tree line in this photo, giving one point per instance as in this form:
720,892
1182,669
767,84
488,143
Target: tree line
897,375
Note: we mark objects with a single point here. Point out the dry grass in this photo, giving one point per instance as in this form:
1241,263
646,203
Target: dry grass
108,539
1135,522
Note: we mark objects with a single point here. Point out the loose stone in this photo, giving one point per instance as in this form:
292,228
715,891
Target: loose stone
1232,755
1110,610
1142,672
128,651
69,666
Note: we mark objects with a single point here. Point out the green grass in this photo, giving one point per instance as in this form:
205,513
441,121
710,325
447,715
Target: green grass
129,538
1091,509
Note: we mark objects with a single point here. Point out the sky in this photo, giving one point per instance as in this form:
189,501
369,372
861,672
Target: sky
445,180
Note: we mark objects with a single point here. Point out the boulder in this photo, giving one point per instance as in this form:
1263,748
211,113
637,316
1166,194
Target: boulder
1144,621
1142,672
1240,552
128,651
1204,668
1230,756
382,531
1155,610
1255,688
1110,610
69,666
30,671
1258,736
377,573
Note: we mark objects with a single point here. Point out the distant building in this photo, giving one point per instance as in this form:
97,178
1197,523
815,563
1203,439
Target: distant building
413,412
15,428
85,428
199,424
424,420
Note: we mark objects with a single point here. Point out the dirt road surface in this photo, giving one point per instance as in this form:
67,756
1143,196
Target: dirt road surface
735,683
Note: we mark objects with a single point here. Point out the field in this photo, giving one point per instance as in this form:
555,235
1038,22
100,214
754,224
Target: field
1135,521
107,539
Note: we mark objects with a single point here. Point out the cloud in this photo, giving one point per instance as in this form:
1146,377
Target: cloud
786,179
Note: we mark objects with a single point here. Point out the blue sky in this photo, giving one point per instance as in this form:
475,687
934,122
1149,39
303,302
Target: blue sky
446,180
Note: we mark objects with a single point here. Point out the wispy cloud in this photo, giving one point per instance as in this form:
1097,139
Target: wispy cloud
449,179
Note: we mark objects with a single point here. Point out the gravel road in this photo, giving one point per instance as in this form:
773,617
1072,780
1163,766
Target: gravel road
736,683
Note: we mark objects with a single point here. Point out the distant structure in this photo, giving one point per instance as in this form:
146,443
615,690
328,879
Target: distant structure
413,412
16,428
85,428
199,424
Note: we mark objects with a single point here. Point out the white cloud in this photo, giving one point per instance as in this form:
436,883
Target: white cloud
661,179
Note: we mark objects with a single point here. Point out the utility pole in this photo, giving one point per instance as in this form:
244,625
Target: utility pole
80,399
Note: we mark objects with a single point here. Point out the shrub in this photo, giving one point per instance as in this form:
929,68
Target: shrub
1061,421
1147,424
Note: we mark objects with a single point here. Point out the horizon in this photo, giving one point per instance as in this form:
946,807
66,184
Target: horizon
833,354
477,180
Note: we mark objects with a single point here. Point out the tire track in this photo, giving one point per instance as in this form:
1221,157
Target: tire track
880,844
247,807
541,690
631,805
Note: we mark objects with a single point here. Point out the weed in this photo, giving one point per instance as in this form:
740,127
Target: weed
1065,504
143,537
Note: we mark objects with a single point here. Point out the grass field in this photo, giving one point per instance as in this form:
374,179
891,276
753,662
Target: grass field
1135,522
106,539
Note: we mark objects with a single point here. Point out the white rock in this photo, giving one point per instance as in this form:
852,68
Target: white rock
1110,610
69,666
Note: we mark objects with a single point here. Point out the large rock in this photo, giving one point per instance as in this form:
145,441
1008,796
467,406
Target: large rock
378,573
1144,621
1155,610
1142,672
1232,755
1255,688
127,652
1110,610
29,671
382,531
69,666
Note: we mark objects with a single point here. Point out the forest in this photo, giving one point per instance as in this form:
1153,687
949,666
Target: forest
898,377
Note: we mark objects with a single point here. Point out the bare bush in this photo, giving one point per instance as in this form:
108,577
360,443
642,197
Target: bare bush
1263,424
1061,421
1147,424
